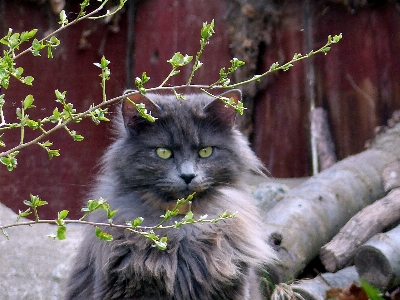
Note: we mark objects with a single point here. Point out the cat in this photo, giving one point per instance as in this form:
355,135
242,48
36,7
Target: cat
192,147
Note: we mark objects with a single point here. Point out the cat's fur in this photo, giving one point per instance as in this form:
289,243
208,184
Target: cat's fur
202,261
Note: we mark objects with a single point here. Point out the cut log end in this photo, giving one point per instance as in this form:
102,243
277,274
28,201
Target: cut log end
366,260
329,259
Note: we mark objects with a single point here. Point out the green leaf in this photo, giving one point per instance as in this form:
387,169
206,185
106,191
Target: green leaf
53,152
372,292
22,214
141,108
91,206
50,152
137,222
10,161
188,218
111,214
32,124
237,63
54,41
145,78
78,137
28,102
26,35
207,30
14,41
274,66
18,71
179,60
337,38
56,116
36,201
60,96
104,62
28,80
49,52
103,235
296,56
63,214
36,47
63,18
287,67
162,243
61,232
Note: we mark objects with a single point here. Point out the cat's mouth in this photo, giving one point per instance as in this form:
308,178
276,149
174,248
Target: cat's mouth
186,191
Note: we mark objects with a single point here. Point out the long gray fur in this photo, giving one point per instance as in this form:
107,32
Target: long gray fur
202,261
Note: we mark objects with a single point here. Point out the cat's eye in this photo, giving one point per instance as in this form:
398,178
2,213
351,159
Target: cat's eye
164,153
206,152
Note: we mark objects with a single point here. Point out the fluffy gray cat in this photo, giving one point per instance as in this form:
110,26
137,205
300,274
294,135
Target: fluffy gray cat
193,146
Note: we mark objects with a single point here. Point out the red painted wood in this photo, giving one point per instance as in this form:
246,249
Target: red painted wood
168,26
62,181
357,82
359,77
280,136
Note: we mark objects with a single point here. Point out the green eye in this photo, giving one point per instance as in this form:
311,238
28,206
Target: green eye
206,152
164,153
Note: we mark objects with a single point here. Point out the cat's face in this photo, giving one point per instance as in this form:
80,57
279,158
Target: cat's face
189,148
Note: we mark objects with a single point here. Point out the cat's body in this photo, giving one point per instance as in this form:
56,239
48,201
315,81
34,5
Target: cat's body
192,147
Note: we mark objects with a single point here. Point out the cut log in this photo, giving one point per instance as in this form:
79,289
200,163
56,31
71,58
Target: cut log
373,219
315,289
378,260
310,215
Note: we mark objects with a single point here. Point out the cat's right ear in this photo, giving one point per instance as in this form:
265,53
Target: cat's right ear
132,118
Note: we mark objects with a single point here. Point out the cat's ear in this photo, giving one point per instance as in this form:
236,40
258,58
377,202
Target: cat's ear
132,118
217,109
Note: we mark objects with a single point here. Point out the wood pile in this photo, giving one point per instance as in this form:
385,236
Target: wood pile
347,216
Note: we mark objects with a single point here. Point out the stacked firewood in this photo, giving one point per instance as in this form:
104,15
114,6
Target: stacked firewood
347,216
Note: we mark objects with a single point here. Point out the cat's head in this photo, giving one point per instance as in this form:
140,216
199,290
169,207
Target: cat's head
191,147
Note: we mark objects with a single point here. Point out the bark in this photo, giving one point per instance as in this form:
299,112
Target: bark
373,219
315,289
312,214
322,134
378,260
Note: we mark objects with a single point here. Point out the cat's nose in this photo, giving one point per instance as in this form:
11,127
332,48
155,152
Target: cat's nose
187,172
187,178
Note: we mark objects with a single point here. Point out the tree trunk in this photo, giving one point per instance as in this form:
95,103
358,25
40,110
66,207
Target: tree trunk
312,214
340,252
316,288
378,260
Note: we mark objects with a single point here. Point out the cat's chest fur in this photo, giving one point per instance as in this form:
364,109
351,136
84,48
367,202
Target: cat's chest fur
202,261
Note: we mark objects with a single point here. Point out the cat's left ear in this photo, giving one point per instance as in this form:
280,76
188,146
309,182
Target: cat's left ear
132,118
218,109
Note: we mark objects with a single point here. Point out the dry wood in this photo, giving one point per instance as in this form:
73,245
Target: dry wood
315,289
340,252
391,176
310,215
378,260
322,134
